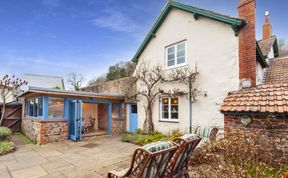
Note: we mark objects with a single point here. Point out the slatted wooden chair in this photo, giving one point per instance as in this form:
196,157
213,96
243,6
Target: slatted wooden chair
178,166
207,134
149,161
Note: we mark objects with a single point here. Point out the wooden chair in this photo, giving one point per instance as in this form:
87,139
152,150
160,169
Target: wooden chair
150,161
178,166
207,134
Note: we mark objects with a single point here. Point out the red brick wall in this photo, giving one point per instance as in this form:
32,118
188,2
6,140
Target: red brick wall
247,41
274,127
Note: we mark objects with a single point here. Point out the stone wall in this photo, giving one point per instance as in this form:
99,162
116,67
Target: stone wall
31,128
53,131
275,127
115,87
45,131
119,118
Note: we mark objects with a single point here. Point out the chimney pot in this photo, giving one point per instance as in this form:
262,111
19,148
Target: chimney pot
267,27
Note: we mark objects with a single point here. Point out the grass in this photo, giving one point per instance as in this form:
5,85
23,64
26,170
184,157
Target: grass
6,147
24,138
141,138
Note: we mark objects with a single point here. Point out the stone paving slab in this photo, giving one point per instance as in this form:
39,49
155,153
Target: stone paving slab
67,159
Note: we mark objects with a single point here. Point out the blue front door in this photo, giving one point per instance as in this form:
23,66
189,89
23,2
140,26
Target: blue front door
75,120
133,117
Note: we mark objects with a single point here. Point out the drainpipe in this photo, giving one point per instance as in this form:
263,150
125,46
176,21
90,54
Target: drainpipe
190,106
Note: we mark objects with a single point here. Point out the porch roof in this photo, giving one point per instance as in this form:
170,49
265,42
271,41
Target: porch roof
69,93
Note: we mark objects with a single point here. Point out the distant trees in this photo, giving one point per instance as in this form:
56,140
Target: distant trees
283,47
117,71
8,87
75,80
120,70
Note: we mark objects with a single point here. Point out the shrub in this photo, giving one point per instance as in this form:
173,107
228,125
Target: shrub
4,133
6,147
142,138
239,154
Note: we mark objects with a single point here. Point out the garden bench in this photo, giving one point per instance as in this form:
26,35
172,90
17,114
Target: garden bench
207,134
149,161
178,166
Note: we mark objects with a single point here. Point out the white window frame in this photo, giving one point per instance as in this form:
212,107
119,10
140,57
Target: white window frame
175,55
169,110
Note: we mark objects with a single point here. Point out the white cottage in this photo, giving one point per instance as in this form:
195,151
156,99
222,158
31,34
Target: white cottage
226,52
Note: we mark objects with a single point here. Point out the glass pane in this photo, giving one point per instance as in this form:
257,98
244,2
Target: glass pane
180,54
40,106
181,60
134,108
31,107
165,108
174,108
181,47
171,50
174,101
171,57
174,115
35,107
165,115
56,108
171,63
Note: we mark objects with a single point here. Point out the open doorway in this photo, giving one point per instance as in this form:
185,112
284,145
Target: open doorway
94,119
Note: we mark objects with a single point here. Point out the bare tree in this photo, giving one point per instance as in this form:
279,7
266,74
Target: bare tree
8,87
149,79
283,47
76,81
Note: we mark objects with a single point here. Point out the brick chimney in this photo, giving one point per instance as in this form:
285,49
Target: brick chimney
267,27
247,43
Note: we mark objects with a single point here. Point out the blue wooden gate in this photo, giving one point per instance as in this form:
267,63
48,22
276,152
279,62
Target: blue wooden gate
133,117
75,120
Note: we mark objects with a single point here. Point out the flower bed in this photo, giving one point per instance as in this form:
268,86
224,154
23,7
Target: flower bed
239,154
142,138
6,146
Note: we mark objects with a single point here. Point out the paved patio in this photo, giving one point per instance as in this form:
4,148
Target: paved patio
89,158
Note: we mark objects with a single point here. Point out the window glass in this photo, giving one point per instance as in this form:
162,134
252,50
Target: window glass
40,106
165,108
55,107
134,108
169,108
174,108
176,54
35,107
31,107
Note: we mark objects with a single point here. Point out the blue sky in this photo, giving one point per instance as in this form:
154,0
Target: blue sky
57,37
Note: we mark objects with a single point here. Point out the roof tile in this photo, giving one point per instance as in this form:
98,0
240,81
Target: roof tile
271,98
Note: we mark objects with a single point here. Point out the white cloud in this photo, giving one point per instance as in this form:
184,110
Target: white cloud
116,21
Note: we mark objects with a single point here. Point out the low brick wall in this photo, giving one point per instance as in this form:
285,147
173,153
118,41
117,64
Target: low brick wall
45,131
275,127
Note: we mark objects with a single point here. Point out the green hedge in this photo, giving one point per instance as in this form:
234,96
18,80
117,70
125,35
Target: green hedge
4,133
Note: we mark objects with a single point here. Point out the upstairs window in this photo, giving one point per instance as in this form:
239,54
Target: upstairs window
176,55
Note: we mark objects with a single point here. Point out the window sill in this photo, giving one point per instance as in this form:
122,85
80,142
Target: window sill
176,66
169,121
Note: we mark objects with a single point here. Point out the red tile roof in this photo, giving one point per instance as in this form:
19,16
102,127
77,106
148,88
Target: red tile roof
278,70
272,98
266,45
